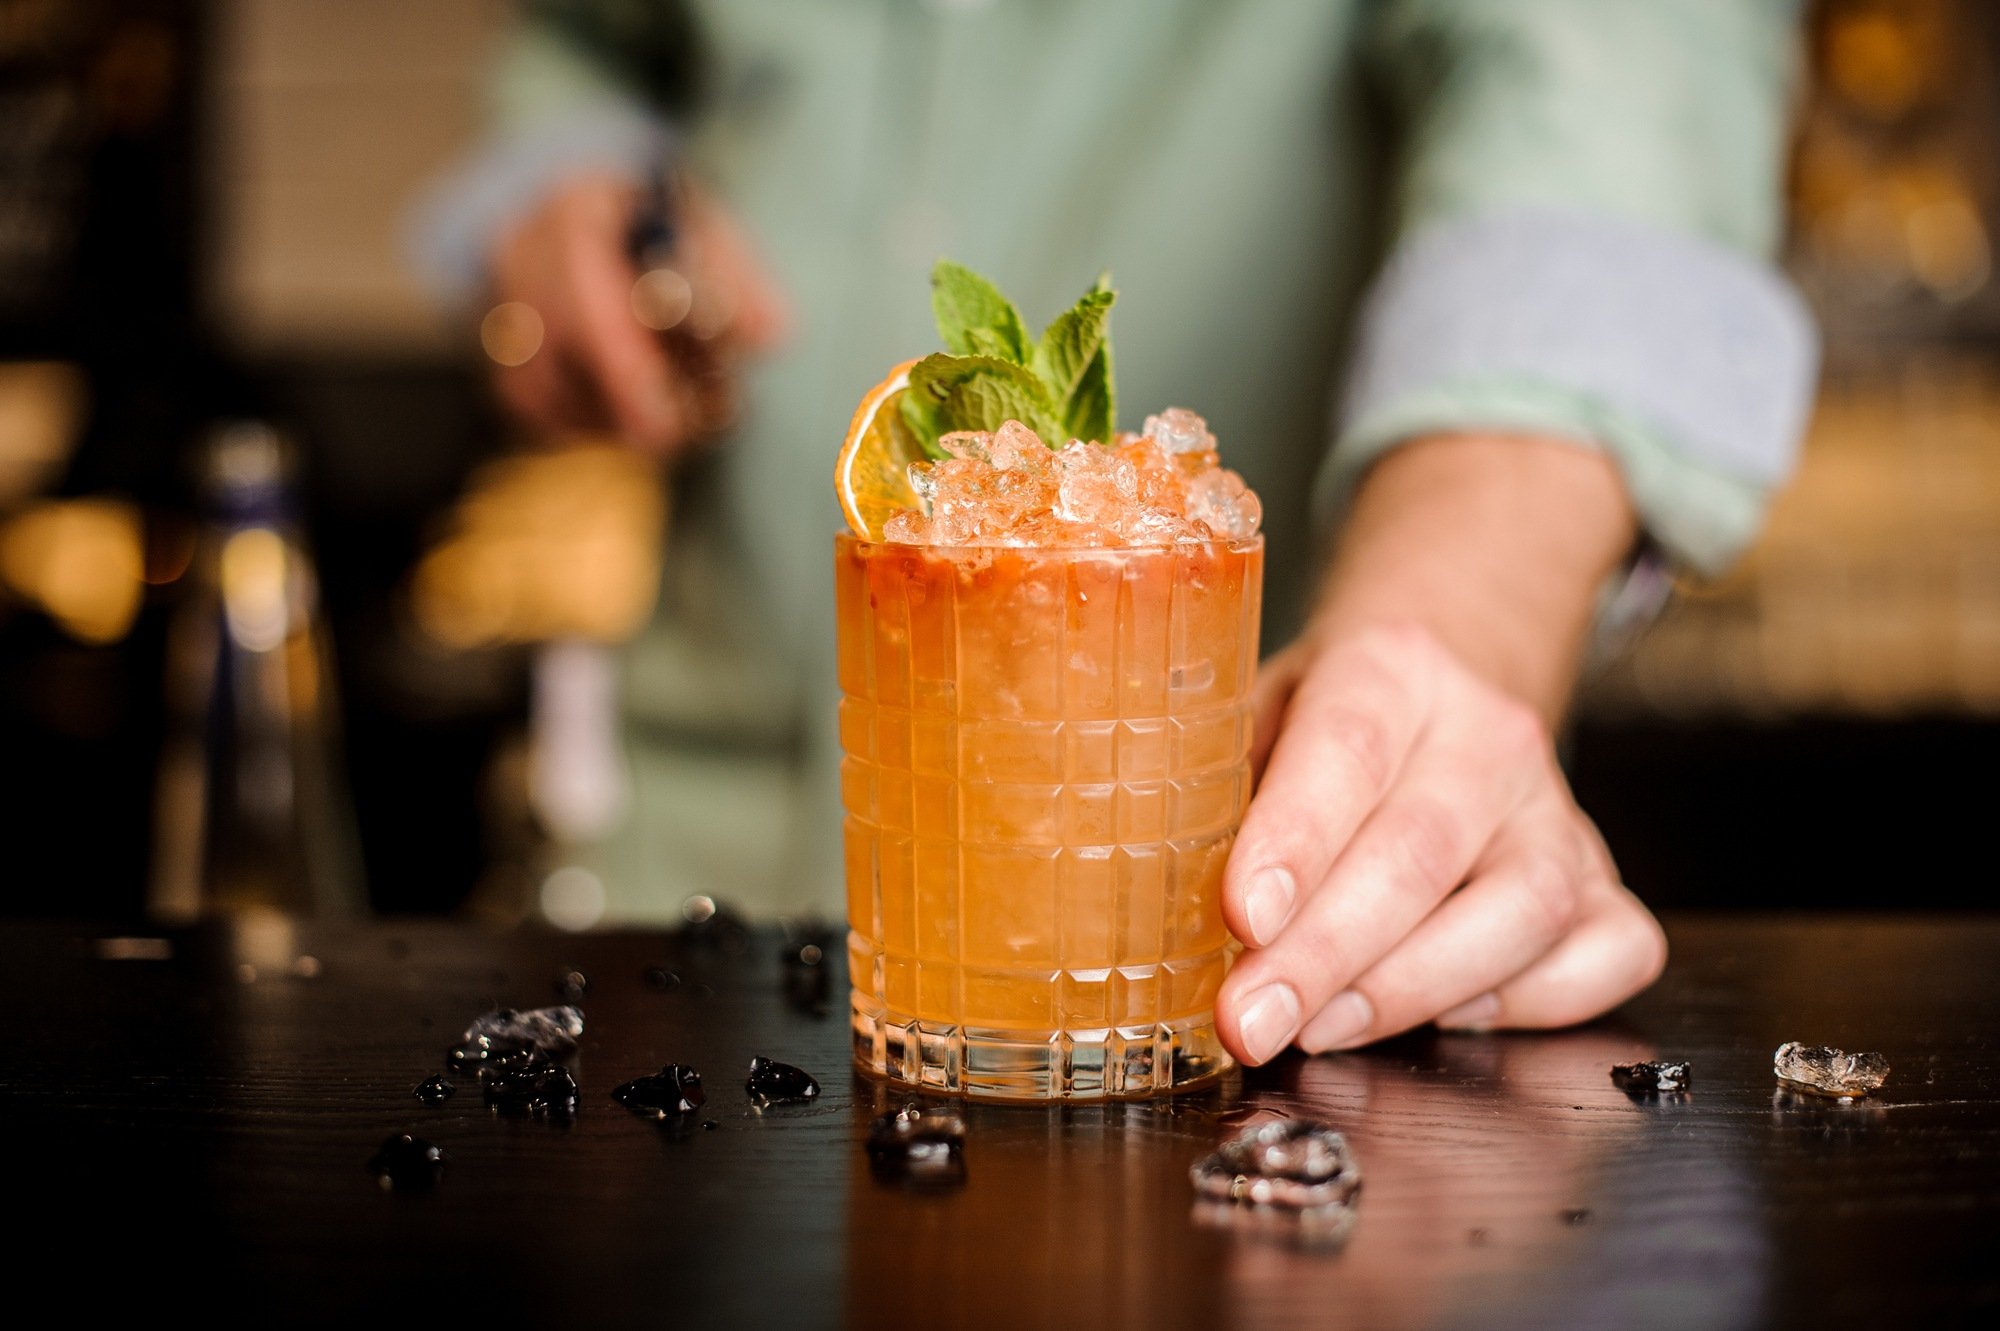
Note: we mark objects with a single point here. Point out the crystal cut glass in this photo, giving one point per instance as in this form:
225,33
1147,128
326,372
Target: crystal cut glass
1045,759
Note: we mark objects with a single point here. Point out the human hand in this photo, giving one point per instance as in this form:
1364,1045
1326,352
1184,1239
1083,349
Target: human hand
597,366
1413,854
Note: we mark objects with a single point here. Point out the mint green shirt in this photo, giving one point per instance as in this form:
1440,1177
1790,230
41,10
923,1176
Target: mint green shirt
1333,226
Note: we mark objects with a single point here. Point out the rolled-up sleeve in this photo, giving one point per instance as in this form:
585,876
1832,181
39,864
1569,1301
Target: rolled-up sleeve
1585,197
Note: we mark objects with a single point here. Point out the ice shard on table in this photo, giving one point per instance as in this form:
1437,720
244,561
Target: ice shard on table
1294,1164
676,1089
1291,1179
435,1091
552,1030
1651,1078
923,1146
407,1164
1818,1069
540,1089
771,1082
510,1035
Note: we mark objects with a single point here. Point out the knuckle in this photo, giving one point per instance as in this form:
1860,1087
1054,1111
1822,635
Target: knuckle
1362,743
1547,897
1392,1008
1427,840
1315,959
1518,729
1399,642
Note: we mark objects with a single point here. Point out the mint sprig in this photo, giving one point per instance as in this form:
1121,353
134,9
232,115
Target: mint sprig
1059,386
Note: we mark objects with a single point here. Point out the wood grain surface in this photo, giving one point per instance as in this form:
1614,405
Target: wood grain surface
192,1131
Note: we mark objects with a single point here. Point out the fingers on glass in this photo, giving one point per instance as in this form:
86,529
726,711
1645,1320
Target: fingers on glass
1349,727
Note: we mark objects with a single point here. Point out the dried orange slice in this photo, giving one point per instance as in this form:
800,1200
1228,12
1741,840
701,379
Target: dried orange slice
872,474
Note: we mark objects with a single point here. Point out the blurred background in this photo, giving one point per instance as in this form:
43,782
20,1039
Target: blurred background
203,207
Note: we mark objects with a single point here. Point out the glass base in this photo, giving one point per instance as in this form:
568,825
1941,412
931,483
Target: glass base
1122,1063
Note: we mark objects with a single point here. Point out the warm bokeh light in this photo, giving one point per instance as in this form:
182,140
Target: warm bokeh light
552,545
661,299
511,333
41,410
1914,222
1947,246
572,898
80,561
1886,187
1878,60
1876,587
254,569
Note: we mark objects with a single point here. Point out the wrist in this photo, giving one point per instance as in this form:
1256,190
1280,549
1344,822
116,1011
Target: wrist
1496,546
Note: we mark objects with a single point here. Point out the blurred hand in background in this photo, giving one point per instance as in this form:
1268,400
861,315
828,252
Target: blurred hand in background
570,326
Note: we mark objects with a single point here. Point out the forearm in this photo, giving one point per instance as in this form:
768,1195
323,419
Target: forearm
1497,546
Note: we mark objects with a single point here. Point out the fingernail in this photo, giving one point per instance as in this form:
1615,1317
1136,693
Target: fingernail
1269,1021
1341,1022
1475,1015
1267,900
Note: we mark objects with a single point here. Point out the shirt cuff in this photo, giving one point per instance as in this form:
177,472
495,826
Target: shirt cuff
1691,365
456,223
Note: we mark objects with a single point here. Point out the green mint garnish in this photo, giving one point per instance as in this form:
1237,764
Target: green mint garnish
973,318
1059,386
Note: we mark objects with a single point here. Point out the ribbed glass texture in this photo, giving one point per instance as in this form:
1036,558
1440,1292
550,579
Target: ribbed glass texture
1045,762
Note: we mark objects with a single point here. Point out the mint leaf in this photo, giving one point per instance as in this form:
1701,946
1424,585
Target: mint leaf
950,393
986,342
973,318
1093,409
1073,358
1059,387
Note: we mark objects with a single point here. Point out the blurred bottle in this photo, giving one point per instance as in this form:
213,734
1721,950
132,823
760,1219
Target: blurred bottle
252,811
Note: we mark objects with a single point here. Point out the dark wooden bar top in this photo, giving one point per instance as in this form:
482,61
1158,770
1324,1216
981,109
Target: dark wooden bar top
190,1115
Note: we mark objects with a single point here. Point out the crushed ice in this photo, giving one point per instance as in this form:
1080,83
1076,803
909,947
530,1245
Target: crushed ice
1651,1078
1006,488
434,1091
537,1088
675,1089
1178,430
771,1082
407,1164
919,1146
509,1035
1822,1070
552,1030
1293,1178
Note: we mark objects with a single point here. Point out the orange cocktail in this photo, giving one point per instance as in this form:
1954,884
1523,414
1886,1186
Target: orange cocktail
1046,651
1046,760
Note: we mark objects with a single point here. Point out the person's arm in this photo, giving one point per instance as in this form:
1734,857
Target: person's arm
585,99
1496,545
1412,784
1571,348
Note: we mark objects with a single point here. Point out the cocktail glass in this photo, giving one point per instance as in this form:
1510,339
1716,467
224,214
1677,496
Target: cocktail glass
1046,760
